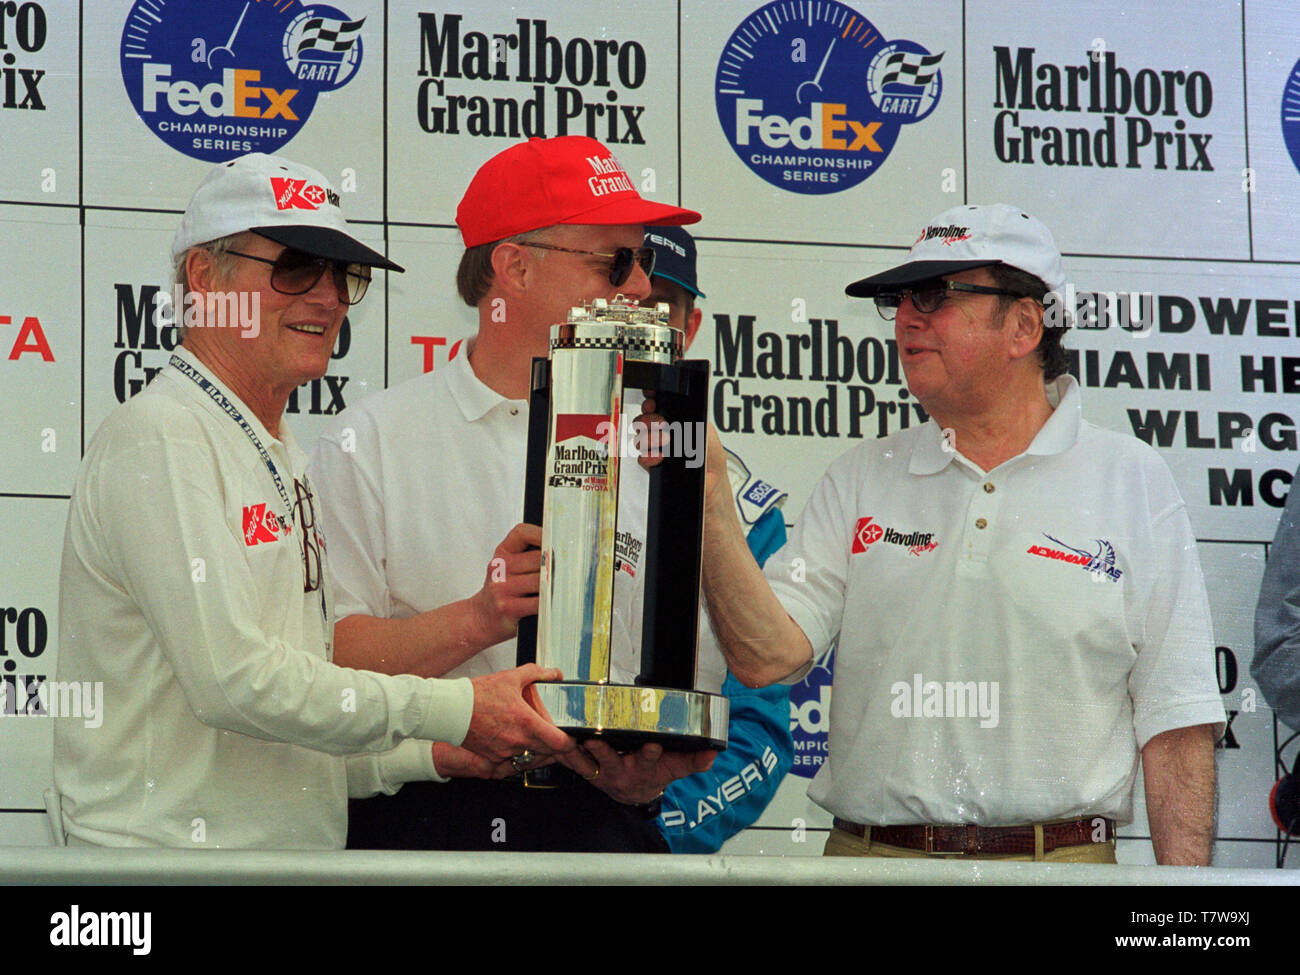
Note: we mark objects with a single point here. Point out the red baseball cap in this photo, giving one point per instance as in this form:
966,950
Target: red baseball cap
544,182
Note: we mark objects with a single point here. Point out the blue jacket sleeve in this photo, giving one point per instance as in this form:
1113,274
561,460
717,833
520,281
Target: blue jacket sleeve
702,811
1276,667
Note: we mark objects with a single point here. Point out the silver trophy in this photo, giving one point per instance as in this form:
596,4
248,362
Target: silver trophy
572,487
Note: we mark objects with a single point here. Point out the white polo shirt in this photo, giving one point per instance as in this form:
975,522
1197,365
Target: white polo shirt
181,590
417,485
1007,641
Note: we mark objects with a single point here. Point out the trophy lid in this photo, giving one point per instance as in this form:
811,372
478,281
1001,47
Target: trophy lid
641,334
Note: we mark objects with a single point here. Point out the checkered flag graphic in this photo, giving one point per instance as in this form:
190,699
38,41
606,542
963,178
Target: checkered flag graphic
910,68
320,34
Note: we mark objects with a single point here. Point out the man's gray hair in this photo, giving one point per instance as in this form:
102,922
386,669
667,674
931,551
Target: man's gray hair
219,249
222,259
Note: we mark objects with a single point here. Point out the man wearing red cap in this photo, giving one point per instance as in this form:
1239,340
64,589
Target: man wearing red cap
1015,593
432,477
195,585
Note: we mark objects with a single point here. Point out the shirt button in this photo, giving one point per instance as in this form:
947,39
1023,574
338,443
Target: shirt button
514,411
989,488
981,523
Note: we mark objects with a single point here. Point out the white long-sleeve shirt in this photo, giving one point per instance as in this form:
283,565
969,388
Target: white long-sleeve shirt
225,724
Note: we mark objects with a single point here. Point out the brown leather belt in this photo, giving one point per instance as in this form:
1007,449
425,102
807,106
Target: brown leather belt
970,840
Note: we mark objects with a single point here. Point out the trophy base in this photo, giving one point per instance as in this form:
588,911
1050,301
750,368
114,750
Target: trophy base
627,716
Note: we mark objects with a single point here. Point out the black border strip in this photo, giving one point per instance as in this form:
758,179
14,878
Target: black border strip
30,203
1245,137
81,210
679,103
965,112
384,196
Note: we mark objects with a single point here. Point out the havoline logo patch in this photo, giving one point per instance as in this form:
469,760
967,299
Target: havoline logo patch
949,233
868,532
812,97
217,80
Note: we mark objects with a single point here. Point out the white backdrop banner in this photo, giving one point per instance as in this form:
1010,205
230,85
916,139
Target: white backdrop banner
1161,147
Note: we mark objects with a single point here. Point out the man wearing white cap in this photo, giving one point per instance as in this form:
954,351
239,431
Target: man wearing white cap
194,586
1016,595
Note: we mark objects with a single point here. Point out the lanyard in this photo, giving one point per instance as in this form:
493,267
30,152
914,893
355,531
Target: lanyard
218,397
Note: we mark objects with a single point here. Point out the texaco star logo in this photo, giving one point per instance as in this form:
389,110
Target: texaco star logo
865,535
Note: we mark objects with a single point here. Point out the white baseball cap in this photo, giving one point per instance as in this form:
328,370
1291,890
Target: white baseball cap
283,201
968,237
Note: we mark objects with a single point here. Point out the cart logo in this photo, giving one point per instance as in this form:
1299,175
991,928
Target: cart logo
812,97
218,80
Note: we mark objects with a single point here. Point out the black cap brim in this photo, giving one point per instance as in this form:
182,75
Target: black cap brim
675,280
326,242
907,274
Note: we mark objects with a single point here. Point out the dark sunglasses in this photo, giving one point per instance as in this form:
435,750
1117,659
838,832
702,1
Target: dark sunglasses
296,273
621,261
928,297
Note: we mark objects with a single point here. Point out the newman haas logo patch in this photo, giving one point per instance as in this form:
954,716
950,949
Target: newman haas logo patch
868,532
1100,563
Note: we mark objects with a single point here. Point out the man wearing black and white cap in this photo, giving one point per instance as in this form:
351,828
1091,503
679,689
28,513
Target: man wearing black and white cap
194,584
1016,595
704,810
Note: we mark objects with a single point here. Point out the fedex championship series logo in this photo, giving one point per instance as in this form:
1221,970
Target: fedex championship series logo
812,96
810,717
217,80
1291,115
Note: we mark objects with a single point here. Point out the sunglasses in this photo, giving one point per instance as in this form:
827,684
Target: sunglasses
621,261
929,297
296,273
